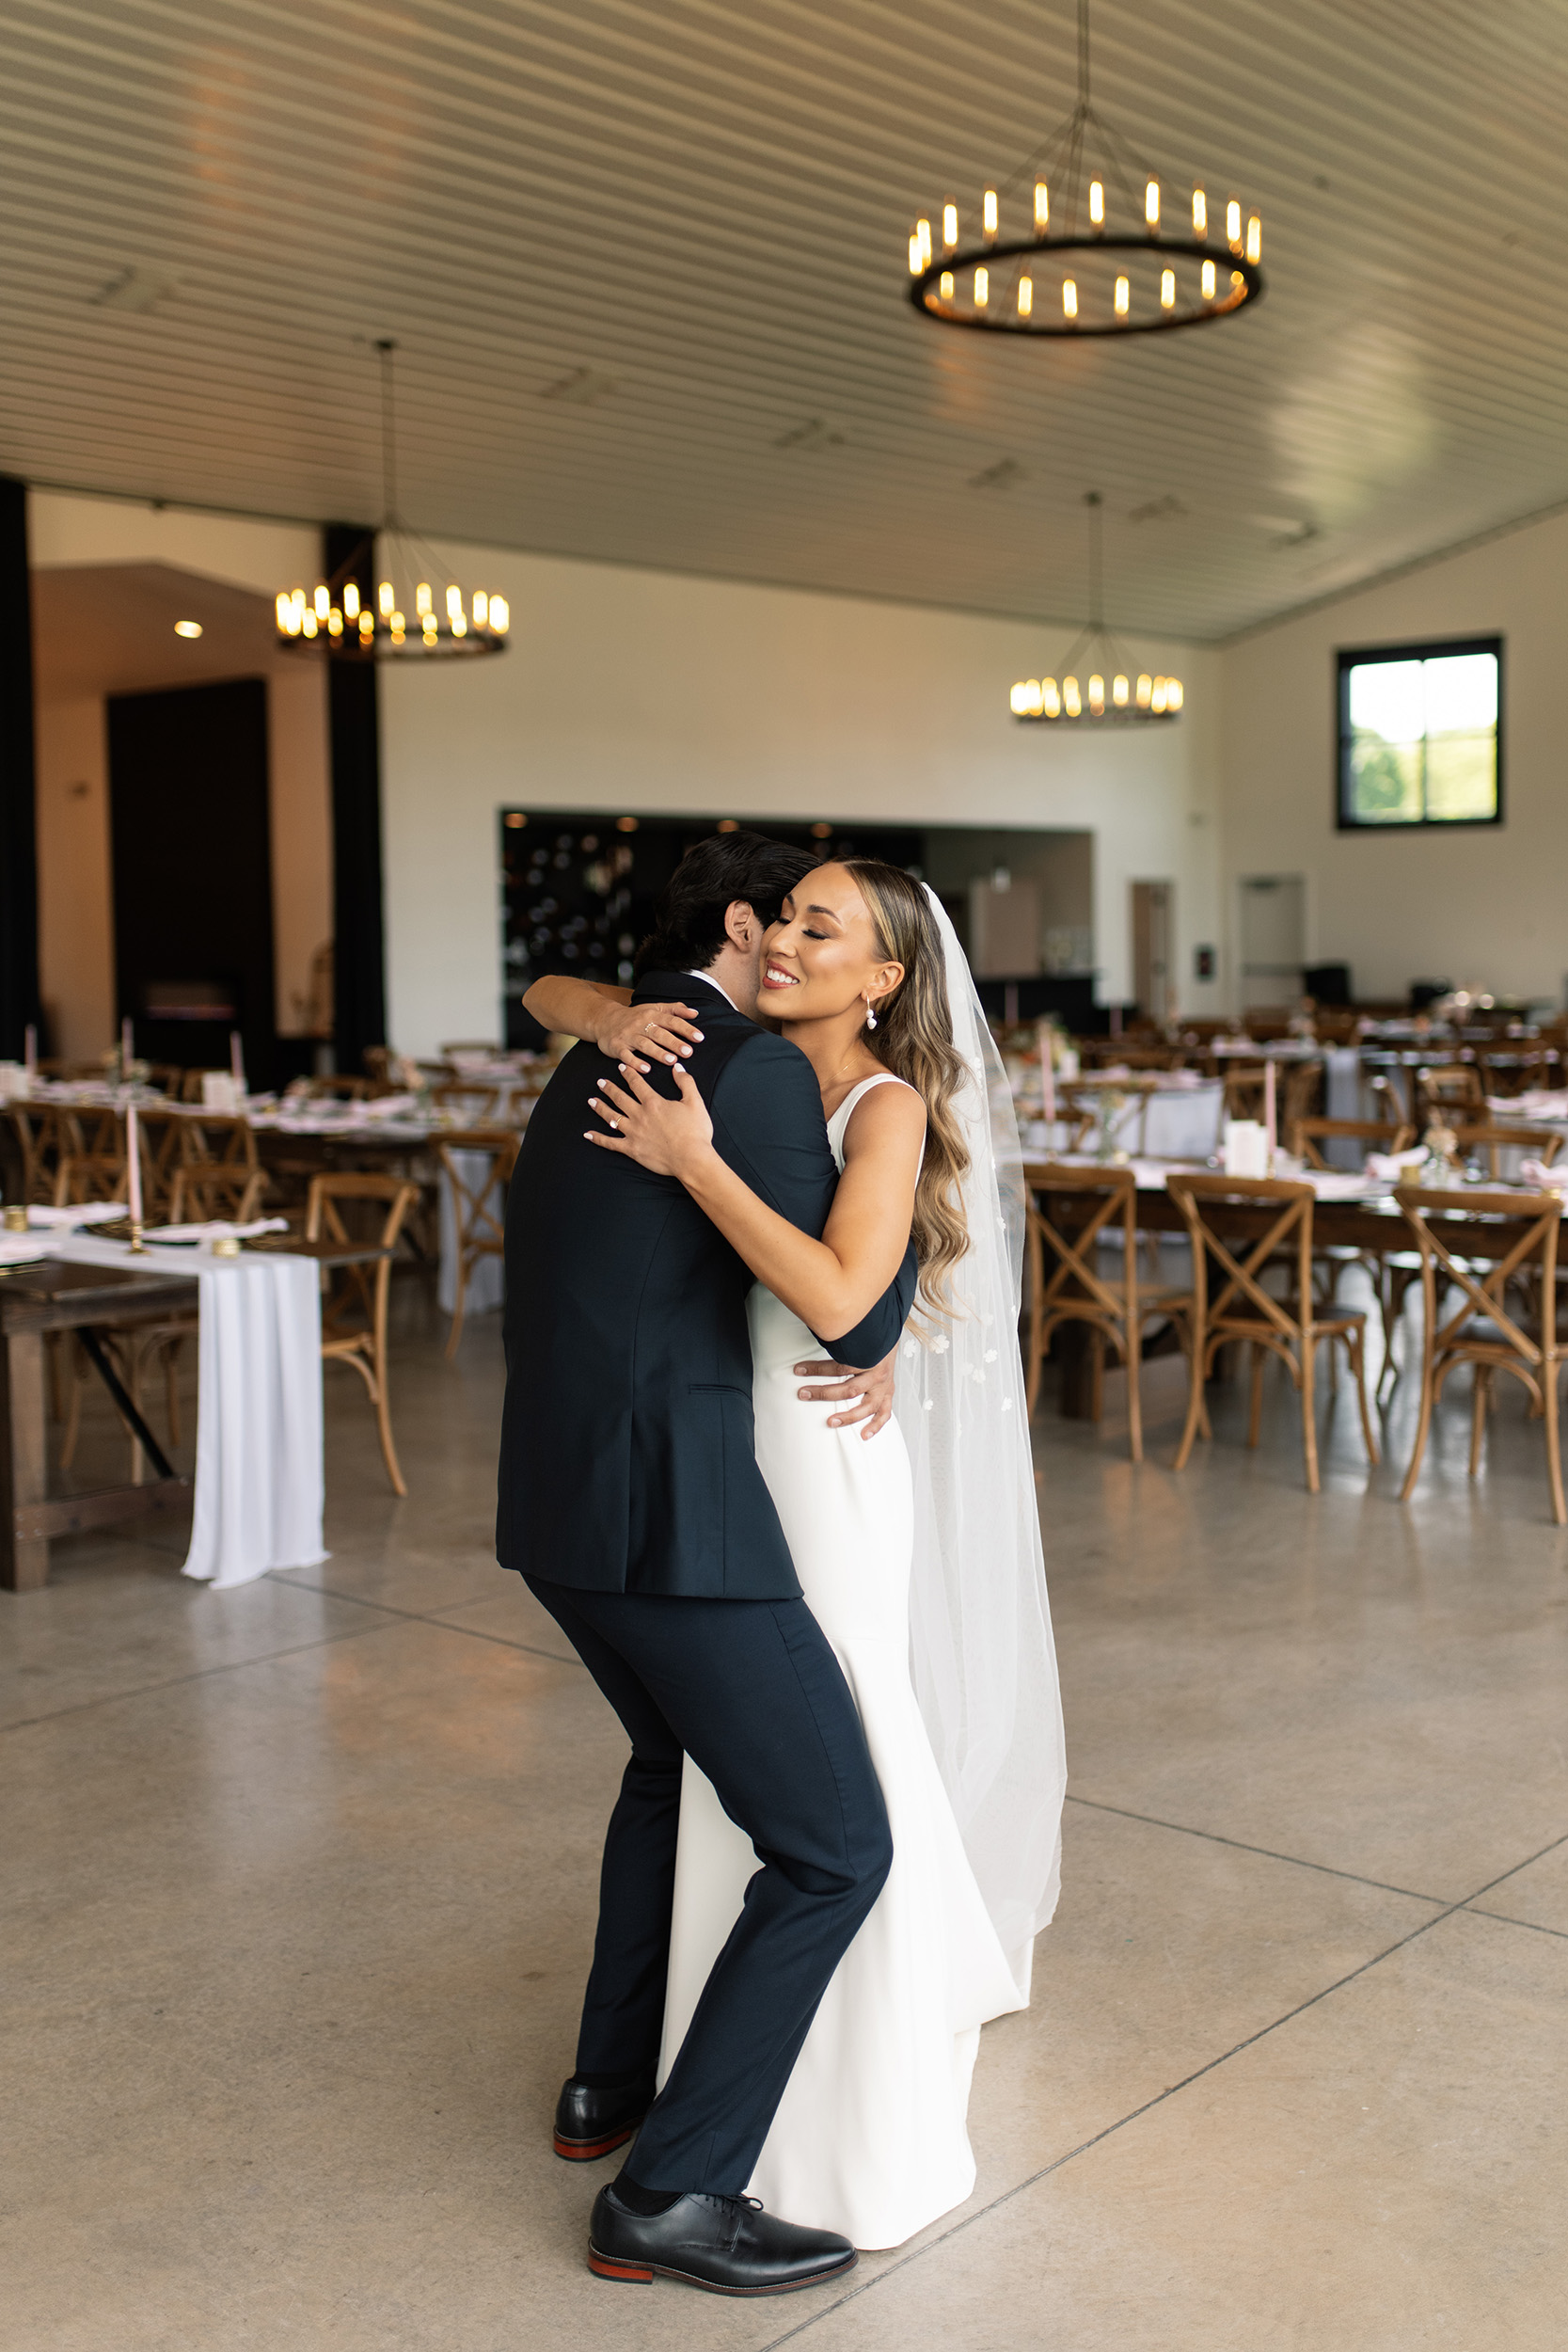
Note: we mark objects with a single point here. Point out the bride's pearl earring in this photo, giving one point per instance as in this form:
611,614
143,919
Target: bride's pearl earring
870,1017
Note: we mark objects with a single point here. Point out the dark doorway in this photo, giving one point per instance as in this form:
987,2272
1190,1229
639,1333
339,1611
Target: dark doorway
193,873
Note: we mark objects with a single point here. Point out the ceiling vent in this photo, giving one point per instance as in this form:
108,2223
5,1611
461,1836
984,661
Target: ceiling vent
1001,476
816,433
583,387
134,288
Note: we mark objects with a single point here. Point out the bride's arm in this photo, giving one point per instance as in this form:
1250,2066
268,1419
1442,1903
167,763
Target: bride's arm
831,1283
607,1018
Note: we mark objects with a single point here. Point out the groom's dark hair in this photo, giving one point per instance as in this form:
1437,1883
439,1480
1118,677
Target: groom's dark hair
688,923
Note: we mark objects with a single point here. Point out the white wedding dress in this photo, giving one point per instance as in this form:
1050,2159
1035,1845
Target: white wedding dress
871,2137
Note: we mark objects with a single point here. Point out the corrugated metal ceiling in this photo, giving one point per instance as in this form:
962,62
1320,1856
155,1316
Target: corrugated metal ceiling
646,267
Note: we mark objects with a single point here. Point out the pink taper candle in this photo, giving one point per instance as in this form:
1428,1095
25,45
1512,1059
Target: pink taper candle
236,1059
1047,1075
133,1162
1271,1124
126,1048
30,1049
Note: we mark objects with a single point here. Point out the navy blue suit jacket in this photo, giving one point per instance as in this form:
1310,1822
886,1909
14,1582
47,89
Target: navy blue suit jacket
627,1462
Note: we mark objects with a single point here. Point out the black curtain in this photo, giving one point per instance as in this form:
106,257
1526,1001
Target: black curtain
19,868
358,952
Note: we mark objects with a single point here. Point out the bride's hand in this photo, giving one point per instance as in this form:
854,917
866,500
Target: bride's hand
669,1138
660,1031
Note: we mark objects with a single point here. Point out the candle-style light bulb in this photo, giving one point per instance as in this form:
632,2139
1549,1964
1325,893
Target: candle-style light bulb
1173,693
1096,692
421,597
1118,692
923,230
322,604
333,622
1200,214
1071,702
1025,297
366,624
982,288
1254,239
1069,297
1042,205
1157,699
988,212
1208,282
1097,202
950,224
351,602
482,609
947,285
1123,297
499,615
398,624
1233,225
386,599
454,604
1051,699
1167,289
309,625
1145,686
917,264
286,613
1018,699
1152,204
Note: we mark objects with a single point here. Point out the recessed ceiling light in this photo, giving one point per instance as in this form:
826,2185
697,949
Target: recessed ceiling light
188,628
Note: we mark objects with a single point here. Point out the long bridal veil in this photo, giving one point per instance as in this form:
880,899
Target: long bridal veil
981,1651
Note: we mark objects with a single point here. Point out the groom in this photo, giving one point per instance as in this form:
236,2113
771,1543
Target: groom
631,1502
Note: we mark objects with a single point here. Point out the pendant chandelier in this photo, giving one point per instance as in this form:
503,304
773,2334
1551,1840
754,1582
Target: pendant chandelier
1079,242
417,613
1098,685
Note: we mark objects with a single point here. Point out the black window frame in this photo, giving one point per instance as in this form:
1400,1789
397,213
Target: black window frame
1350,658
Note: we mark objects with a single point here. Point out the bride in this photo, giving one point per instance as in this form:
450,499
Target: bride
919,1553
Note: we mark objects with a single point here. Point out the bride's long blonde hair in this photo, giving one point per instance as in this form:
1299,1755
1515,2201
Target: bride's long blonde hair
914,1037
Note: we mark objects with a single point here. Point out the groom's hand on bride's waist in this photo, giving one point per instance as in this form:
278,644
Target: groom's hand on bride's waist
860,1396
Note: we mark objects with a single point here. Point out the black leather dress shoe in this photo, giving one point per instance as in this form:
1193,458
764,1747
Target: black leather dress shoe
725,2244
589,2123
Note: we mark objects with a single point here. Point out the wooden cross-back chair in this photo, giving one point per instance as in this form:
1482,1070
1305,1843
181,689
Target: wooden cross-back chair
1481,1330
1519,1070
1542,1143
1450,1096
1243,1090
479,1217
93,1166
469,1101
1115,1306
45,1136
1307,1135
220,1173
1241,1308
355,1298
162,1142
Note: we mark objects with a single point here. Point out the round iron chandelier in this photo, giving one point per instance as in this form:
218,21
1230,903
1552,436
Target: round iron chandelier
414,612
1098,684
1091,249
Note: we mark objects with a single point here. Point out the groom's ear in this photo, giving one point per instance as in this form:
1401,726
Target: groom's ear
741,926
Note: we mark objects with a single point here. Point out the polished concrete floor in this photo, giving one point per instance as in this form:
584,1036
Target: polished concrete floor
298,1888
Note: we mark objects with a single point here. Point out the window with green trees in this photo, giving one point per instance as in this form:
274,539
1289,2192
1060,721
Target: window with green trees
1421,736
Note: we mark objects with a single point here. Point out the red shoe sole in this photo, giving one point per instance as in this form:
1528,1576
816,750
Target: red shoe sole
585,2150
637,2274
602,2268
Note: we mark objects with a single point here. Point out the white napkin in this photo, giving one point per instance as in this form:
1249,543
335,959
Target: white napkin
1540,1177
20,1248
1389,1166
386,1106
217,1229
84,1213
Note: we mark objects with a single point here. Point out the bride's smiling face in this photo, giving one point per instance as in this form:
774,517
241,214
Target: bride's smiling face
823,955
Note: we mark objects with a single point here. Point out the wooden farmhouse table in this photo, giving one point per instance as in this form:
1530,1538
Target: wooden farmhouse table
59,1296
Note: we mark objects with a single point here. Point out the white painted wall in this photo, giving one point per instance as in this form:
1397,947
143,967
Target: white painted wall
646,691
1487,906
75,895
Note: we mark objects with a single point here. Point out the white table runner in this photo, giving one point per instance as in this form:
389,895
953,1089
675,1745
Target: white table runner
260,1474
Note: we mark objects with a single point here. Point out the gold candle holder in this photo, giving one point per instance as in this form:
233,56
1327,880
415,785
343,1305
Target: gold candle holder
16,1218
139,1247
